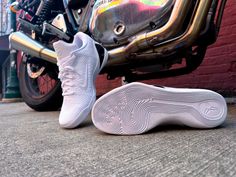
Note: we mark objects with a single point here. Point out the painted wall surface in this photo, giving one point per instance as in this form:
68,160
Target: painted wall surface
218,70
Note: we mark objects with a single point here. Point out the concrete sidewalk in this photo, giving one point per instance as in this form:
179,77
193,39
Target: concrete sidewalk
32,144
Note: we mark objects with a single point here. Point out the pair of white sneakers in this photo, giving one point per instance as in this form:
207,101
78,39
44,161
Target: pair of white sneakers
130,109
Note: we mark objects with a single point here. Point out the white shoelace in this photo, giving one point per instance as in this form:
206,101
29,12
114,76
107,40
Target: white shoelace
67,76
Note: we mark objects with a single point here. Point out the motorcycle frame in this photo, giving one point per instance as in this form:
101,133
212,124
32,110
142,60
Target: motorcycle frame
157,46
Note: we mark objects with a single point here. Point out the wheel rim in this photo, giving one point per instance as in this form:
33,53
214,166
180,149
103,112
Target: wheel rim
41,81
42,85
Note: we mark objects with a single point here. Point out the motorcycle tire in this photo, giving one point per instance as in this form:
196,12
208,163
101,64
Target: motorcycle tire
32,94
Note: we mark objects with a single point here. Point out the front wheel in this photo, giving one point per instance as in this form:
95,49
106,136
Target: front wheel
39,85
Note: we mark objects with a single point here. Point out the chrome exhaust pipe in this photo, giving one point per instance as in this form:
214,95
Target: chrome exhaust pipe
189,37
24,43
142,42
20,41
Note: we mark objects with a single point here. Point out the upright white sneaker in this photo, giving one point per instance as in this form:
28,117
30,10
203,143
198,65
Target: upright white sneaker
136,108
79,64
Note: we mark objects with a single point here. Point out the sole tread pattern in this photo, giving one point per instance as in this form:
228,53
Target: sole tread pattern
136,108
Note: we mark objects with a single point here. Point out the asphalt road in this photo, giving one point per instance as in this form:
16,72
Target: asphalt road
33,144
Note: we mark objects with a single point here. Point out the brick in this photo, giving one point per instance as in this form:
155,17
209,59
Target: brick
233,66
222,68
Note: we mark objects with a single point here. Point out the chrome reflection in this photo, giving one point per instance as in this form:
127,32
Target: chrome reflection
113,22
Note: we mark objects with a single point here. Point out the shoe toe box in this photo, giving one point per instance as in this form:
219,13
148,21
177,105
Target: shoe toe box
72,114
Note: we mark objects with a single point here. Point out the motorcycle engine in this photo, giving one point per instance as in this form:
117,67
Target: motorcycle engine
113,22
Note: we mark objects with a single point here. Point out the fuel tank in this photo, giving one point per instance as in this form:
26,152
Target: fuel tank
113,22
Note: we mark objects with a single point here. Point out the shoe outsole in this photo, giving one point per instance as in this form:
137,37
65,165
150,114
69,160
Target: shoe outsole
136,108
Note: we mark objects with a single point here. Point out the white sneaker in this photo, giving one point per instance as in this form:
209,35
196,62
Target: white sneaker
136,108
79,64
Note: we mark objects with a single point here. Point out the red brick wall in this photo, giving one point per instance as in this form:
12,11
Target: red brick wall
218,70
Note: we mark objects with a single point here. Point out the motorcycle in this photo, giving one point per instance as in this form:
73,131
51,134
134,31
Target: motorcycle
145,39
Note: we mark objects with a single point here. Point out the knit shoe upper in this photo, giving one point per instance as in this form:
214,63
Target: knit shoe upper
79,64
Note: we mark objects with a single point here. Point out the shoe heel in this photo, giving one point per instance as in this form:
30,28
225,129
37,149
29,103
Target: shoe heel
102,52
213,111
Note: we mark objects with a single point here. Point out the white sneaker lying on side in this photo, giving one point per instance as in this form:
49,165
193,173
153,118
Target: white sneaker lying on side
136,108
